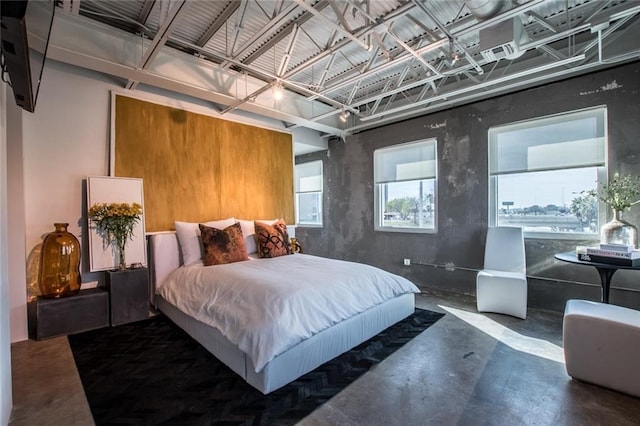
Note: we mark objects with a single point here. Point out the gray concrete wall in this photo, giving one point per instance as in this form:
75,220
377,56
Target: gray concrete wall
449,259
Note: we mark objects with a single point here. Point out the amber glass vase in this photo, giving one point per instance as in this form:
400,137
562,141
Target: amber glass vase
59,263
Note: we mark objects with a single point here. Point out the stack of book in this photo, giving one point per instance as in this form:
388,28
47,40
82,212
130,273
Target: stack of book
614,254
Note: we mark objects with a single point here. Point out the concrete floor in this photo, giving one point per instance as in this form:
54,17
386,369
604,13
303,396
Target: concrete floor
467,369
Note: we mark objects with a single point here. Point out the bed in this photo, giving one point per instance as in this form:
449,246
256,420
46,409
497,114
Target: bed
288,357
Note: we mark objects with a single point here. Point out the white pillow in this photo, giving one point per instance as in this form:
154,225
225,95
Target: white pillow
249,232
189,238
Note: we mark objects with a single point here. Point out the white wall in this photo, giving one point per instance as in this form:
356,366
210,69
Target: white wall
308,140
66,140
6,399
16,221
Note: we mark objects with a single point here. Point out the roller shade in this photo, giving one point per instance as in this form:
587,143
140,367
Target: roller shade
563,141
308,177
412,161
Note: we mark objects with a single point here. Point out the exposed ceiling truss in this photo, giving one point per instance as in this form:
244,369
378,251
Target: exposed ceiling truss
344,65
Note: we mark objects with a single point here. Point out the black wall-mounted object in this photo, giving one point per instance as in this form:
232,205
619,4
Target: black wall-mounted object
15,52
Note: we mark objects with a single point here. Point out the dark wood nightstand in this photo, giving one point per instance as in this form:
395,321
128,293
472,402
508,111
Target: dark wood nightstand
87,310
128,295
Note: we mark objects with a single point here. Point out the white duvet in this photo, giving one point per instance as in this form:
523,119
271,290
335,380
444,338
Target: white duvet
266,306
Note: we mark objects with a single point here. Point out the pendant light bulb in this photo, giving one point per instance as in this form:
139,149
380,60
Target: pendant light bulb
344,115
278,91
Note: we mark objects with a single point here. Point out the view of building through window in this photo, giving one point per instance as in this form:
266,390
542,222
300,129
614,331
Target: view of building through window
541,169
408,204
549,201
309,208
308,187
405,191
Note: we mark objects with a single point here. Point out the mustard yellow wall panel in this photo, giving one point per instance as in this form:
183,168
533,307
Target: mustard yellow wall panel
197,168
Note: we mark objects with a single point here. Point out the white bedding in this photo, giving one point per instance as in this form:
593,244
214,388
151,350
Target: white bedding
266,306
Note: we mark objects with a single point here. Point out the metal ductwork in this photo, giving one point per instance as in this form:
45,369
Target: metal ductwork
485,9
503,40
323,77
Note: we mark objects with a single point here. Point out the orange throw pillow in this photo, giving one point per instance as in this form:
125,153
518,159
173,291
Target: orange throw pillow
222,246
272,240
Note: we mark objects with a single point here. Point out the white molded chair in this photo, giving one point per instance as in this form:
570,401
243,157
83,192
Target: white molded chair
502,285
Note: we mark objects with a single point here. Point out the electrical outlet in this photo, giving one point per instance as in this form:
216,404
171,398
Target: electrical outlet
407,262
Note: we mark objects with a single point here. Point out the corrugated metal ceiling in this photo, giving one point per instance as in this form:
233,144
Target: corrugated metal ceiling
382,60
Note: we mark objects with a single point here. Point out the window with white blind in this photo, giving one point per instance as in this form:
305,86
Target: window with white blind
405,187
541,169
308,186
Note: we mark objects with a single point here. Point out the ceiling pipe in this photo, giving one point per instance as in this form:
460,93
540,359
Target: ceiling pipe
484,9
435,45
471,97
88,37
405,56
267,77
399,41
340,44
535,44
479,25
477,87
531,45
274,23
279,36
451,38
508,14
332,24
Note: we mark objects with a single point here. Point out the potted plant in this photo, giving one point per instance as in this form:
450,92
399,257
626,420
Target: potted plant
115,222
620,194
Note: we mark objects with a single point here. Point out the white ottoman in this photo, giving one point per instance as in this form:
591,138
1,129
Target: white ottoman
602,345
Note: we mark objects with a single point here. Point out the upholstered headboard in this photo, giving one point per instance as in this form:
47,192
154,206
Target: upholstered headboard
165,257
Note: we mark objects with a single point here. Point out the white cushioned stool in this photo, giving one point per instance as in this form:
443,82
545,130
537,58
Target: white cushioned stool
602,345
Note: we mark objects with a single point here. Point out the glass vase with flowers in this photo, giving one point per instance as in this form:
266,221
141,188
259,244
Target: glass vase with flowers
621,193
114,223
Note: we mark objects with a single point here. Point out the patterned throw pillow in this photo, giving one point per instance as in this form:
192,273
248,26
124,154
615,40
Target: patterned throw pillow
223,246
272,240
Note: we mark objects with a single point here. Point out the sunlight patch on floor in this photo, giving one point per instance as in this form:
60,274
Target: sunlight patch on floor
516,341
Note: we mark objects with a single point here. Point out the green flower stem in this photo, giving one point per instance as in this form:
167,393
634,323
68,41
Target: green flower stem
114,222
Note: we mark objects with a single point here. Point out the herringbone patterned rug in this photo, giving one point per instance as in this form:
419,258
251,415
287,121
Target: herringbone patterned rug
152,373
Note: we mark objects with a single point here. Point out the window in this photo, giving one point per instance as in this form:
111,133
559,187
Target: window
540,170
308,183
405,187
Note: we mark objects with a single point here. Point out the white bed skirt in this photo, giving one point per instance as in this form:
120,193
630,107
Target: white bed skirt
305,356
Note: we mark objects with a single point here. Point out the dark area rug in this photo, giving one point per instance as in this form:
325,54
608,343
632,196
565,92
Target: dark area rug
153,373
